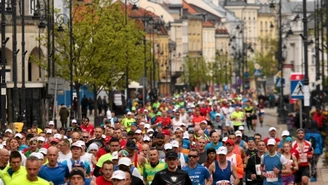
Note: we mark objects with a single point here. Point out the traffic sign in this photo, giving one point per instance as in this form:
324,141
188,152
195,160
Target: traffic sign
257,72
278,82
297,85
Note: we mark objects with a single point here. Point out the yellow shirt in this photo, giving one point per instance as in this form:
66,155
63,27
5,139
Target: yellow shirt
23,180
6,178
238,116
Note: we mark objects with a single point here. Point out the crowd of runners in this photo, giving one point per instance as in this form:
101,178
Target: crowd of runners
186,139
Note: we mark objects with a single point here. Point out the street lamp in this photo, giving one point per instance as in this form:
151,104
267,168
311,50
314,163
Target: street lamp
172,47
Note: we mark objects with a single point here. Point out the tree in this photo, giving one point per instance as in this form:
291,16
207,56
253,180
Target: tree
220,69
103,45
196,71
266,57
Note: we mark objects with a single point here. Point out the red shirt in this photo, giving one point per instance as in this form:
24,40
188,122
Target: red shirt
101,151
205,110
165,121
318,118
102,181
89,128
303,152
197,119
122,143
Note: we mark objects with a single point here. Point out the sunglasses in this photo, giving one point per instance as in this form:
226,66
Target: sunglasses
192,156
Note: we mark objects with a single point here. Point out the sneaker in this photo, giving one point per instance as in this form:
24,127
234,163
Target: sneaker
313,179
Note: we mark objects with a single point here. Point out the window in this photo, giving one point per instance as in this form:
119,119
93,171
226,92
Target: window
32,6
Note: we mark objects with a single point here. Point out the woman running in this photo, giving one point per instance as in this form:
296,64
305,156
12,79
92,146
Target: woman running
288,179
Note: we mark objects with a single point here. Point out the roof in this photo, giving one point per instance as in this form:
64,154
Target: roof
209,15
229,16
221,31
296,6
208,24
190,9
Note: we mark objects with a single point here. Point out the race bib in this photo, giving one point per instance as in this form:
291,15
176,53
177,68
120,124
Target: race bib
258,169
271,176
248,114
261,111
303,158
223,182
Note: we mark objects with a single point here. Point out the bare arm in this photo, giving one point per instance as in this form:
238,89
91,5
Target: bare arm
234,173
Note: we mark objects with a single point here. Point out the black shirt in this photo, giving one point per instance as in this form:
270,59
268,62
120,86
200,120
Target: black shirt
136,181
250,169
179,177
250,152
202,157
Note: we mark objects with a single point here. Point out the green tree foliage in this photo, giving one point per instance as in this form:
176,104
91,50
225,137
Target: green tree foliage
196,71
220,69
104,44
265,57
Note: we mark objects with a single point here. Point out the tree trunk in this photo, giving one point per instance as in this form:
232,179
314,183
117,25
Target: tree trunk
95,104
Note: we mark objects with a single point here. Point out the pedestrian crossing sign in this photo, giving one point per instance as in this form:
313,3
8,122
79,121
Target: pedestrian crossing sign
296,86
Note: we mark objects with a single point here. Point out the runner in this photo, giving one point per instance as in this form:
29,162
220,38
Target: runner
289,179
253,167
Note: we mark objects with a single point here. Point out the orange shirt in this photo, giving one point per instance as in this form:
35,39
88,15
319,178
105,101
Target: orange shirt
238,162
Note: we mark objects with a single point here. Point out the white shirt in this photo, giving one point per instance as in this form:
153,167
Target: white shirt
176,123
63,157
88,158
136,173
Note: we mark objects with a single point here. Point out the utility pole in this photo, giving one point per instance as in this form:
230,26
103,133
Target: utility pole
3,65
14,55
23,97
306,69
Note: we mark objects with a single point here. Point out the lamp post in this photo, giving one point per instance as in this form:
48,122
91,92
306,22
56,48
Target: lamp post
23,97
172,46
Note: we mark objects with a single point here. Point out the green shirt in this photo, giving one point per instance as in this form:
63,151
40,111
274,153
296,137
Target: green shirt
149,171
127,122
23,180
104,158
239,116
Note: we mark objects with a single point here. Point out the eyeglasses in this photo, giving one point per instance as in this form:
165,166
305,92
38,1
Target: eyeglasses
192,156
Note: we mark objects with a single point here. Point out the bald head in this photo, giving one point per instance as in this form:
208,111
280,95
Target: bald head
4,157
53,150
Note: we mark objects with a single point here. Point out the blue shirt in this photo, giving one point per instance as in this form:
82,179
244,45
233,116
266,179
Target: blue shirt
197,175
186,143
56,175
211,145
22,147
269,163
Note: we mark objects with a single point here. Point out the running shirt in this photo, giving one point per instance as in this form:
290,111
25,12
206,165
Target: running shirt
269,162
304,151
23,180
222,176
150,171
55,175
197,174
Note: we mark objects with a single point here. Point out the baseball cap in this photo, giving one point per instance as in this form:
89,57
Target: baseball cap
241,128
272,128
285,133
142,123
131,145
43,151
230,141
146,138
115,155
271,142
171,155
222,150
51,123
217,114
49,131
150,130
125,161
76,144
76,172
175,144
41,139
19,135
9,130
37,155
178,129
238,133
123,153
74,121
54,140
118,174
289,139
58,136
224,139
204,121
168,146
129,113
138,131
147,126
166,132
183,125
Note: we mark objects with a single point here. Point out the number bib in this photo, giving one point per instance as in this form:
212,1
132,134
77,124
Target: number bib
258,169
223,182
261,111
248,114
271,176
303,158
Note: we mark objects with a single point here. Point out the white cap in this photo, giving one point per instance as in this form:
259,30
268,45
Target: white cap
41,139
217,114
118,174
204,121
147,126
224,139
185,135
272,128
145,110
19,135
9,130
178,129
271,142
115,155
238,133
241,128
285,133
146,138
4,143
58,136
175,143
138,131
183,125
150,130
51,123
74,121
129,113
93,146
142,123
82,143
77,144
43,151
37,155
168,146
49,131
103,136
222,150
125,161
